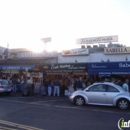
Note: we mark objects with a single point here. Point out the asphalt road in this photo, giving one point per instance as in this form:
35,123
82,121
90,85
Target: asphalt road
56,113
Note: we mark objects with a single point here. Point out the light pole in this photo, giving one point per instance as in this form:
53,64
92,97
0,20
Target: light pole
46,40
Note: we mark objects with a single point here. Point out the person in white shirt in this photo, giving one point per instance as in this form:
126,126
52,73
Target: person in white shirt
125,85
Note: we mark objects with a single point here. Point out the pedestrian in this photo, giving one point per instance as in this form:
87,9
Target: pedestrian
14,83
56,87
30,86
78,84
50,88
125,85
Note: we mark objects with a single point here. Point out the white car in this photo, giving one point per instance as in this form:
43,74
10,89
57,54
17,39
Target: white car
5,86
102,93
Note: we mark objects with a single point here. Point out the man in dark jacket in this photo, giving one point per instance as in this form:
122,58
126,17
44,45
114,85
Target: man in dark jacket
78,84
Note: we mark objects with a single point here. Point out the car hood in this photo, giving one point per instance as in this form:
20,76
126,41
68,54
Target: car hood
78,92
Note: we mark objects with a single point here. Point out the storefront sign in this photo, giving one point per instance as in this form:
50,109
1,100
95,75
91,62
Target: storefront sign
103,39
110,65
83,51
35,74
42,54
112,68
109,72
117,50
72,67
16,67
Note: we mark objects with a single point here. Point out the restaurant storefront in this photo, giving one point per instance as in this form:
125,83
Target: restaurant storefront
64,69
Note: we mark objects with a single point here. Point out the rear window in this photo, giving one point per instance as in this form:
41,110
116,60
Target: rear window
4,82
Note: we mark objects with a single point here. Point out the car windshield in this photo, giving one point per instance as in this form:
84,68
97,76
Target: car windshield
4,82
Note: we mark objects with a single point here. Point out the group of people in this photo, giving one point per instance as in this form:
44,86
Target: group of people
19,84
55,86
58,85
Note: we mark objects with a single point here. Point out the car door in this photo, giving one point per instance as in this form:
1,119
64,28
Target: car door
112,92
96,94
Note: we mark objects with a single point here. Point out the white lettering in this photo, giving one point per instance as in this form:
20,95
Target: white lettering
124,65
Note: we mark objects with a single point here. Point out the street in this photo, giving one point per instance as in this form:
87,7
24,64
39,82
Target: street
56,113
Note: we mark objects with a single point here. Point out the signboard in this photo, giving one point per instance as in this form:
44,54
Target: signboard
74,52
109,65
109,72
45,40
112,68
72,67
117,50
103,39
16,67
42,54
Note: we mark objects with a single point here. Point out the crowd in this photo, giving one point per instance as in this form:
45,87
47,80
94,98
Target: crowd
57,86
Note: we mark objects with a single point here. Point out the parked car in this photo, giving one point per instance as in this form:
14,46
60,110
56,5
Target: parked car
102,93
5,86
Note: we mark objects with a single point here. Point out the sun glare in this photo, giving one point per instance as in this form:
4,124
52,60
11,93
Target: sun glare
36,49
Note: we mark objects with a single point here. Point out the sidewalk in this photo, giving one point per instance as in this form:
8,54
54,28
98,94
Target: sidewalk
36,95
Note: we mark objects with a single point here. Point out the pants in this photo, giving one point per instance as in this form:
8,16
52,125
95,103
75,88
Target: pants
14,88
43,90
49,91
56,90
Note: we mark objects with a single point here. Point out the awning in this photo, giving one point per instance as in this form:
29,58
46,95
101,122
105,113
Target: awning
109,71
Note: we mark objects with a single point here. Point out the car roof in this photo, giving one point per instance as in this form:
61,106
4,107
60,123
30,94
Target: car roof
109,83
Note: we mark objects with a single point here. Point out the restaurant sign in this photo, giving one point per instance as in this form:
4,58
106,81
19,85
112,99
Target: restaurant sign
78,52
72,67
103,39
30,67
33,55
117,50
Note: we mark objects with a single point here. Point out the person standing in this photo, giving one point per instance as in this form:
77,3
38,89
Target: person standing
14,83
50,88
78,84
56,87
125,85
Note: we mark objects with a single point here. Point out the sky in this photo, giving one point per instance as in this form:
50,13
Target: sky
23,23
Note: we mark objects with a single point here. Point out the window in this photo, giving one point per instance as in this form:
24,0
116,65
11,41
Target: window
98,88
111,89
4,82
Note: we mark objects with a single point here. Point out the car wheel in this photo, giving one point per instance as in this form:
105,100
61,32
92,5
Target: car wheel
123,104
79,101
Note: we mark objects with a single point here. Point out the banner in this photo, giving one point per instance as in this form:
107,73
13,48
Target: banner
109,65
17,67
68,67
102,39
41,54
117,50
74,52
